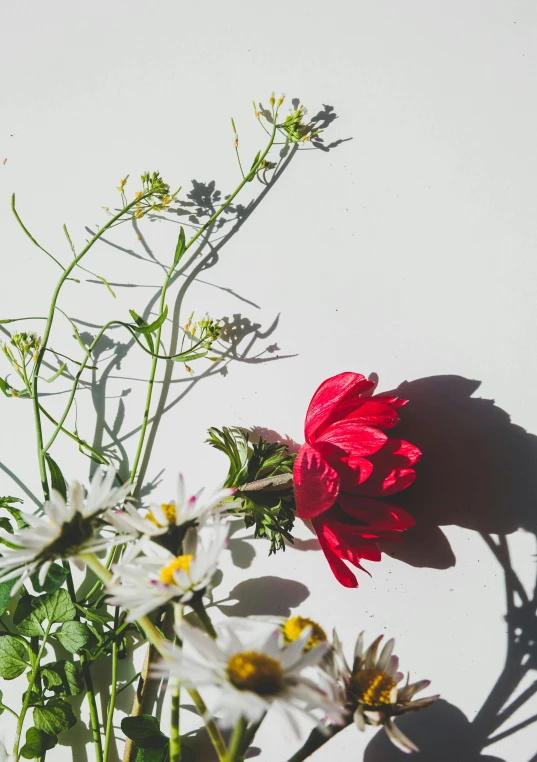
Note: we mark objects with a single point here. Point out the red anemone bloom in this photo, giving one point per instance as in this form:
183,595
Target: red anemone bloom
346,462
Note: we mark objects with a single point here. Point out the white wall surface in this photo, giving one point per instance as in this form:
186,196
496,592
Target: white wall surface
407,250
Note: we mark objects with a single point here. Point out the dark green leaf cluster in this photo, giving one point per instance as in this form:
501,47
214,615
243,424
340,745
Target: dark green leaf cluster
152,744
257,471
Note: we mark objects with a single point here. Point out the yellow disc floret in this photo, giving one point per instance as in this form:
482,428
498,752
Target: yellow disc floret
170,511
373,688
293,628
181,563
252,671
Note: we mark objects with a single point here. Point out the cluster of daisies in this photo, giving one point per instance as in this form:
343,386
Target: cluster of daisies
243,667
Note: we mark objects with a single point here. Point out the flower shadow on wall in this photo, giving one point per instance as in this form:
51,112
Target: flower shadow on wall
477,472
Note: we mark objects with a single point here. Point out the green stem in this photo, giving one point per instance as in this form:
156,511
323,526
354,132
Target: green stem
46,334
175,737
247,178
74,437
235,747
158,641
94,716
315,740
113,693
205,620
28,694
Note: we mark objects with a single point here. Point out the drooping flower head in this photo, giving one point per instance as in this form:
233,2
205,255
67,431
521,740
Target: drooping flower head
248,669
67,529
346,464
370,688
149,581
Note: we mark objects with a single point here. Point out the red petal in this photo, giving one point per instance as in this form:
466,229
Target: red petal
382,486
316,483
353,472
355,439
369,412
339,569
328,396
393,401
379,515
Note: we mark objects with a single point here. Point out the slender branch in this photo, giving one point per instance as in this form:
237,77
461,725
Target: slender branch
74,437
113,693
94,716
175,736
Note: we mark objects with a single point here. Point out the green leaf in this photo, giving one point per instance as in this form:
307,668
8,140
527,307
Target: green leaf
144,731
141,323
54,580
55,717
37,743
32,612
5,524
93,615
73,636
5,594
12,657
58,373
62,677
5,387
151,327
56,477
25,617
180,248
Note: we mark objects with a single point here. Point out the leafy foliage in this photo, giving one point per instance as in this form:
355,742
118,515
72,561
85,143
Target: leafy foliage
54,717
144,731
37,743
13,657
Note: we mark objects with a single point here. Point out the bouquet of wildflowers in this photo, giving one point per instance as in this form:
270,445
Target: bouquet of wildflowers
149,568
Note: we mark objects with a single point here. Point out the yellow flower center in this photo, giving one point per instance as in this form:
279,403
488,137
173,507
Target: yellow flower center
293,628
170,511
252,671
373,688
180,563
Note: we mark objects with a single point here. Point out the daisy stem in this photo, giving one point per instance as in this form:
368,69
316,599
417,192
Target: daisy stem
175,737
157,640
113,693
315,740
235,752
201,612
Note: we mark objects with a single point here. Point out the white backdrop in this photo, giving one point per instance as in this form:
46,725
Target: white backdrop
407,250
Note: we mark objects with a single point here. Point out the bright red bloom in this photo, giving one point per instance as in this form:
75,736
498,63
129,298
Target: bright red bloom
348,460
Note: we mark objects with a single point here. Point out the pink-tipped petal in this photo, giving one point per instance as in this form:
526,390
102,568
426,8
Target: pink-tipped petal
316,483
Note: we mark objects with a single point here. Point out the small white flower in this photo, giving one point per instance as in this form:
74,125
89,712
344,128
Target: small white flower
161,518
149,581
66,530
247,670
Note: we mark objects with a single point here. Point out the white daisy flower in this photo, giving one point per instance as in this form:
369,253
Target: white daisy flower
66,529
149,581
162,518
247,670
370,689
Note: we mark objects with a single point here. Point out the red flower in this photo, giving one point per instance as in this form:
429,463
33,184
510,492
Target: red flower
348,460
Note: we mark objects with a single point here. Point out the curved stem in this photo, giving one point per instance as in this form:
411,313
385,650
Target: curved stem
74,437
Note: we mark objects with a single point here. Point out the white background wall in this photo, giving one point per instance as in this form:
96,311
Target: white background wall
408,250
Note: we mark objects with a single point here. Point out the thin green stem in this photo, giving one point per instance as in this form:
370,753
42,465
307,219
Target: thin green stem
246,178
28,694
156,639
175,737
94,716
315,740
74,437
46,335
235,747
113,693
9,710
205,620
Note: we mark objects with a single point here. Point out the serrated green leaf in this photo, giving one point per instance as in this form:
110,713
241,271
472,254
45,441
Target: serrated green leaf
144,731
32,612
55,717
26,618
37,743
62,677
12,657
54,580
180,247
73,636
151,327
57,479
